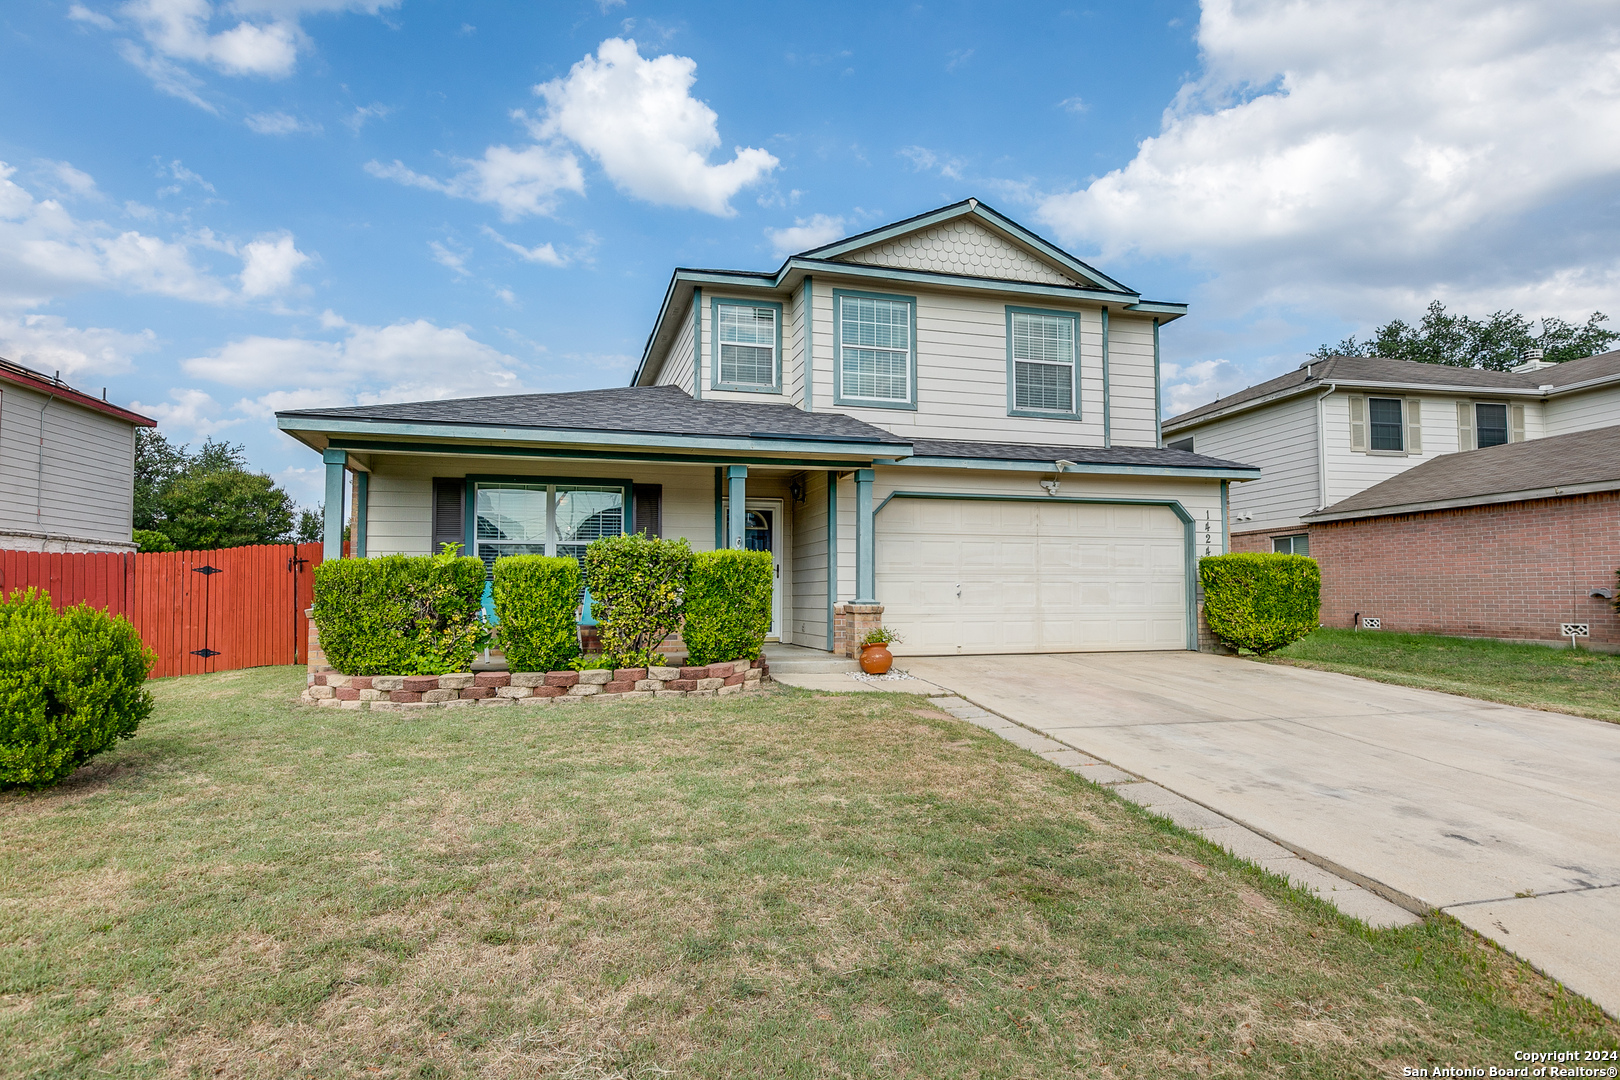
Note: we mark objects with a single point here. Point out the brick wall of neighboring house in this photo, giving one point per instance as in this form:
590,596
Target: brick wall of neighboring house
1510,571
1260,541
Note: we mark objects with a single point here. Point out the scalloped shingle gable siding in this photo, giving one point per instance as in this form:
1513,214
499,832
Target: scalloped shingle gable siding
960,247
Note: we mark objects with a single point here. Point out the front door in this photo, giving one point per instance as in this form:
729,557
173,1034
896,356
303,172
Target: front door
762,531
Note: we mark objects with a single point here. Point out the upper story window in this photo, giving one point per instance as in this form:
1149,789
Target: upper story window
876,346
747,346
1490,424
1384,424
1041,363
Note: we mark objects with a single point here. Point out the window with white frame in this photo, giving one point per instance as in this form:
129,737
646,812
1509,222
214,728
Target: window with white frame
874,348
543,519
1490,424
1384,422
1042,362
746,336
1291,545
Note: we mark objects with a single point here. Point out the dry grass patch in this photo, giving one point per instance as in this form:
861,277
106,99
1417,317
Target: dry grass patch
795,885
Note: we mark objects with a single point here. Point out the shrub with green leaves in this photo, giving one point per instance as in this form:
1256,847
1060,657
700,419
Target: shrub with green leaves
638,586
1261,602
728,605
401,614
537,605
71,685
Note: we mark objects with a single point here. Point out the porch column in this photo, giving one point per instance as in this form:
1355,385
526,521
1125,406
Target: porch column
737,519
362,491
832,555
865,574
332,541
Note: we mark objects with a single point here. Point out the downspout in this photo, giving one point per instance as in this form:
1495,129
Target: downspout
39,476
1321,446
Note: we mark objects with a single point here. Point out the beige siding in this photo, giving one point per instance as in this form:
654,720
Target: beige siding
677,367
1280,440
1351,471
708,358
961,247
1580,411
807,622
88,468
1131,382
793,313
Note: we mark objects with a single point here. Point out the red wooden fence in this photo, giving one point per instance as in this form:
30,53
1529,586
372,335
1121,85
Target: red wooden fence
198,610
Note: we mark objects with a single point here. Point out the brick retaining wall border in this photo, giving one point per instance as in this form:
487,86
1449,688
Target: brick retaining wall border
393,693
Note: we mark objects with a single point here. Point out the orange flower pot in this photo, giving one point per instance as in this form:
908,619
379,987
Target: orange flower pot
876,659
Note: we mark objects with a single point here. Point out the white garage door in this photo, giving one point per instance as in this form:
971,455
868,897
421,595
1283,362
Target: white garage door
971,576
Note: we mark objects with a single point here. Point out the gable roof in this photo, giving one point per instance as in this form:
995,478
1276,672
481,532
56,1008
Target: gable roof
637,410
1146,457
18,375
1573,464
1379,372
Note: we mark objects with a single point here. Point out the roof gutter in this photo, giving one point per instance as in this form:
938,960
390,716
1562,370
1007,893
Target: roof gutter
1321,445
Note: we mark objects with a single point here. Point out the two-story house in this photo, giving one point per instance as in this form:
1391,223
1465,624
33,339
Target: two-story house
1334,428
947,423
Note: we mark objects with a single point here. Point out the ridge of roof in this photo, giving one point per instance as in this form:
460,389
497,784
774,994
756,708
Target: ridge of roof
1536,468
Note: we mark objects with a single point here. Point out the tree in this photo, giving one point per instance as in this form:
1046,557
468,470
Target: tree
158,463
1496,343
311,525
225,508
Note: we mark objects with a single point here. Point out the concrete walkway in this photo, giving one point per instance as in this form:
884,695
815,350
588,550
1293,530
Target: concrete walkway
1506,818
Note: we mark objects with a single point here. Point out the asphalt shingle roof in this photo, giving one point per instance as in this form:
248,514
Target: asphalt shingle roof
1080,455
1374,369
651,410
1579,459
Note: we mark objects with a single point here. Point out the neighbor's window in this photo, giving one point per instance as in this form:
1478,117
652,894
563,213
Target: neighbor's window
1291,545
1181,444
747,339
1384,424
1490,425
543,519
1042,362
874,339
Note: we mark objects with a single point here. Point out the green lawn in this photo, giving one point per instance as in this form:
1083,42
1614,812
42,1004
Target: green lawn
1571,681
792,885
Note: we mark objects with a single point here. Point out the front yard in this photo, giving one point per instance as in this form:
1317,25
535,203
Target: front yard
1580,682
792,885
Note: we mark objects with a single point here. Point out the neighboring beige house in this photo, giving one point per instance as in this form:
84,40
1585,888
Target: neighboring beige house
1333,428
947,423
67,466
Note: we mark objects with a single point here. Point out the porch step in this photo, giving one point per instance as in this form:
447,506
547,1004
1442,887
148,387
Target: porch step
798,660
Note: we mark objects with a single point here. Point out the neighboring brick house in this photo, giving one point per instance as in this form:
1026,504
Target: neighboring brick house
1506,542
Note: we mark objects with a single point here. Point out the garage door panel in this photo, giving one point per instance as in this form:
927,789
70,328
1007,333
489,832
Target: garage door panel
985,576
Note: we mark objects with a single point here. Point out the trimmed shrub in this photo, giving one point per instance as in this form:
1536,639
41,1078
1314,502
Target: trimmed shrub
400,614
537,605
638,584
71,685
1261,602
728,605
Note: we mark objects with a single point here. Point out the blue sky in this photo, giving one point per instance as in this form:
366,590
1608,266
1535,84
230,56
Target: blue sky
216,208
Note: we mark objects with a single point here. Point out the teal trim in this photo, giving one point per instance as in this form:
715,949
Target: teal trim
467,434
737,494
332,531
545,453
807,313
832,552
1108,433
476,480
956,281
1157,307
1074,367
697,344
1158,407
719,507
865,569
1191,472
1226,518
1188,527
715,304
362,499
838,361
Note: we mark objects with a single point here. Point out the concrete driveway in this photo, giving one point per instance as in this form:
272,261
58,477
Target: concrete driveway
1507,818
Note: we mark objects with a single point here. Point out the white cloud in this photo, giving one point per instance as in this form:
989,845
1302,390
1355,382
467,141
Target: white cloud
805,233
71,181
409,360
543,253
48,343
269,264
519,182
362,113
637,118
1348,153
188,410
1073,104
455,261
923,159
280,123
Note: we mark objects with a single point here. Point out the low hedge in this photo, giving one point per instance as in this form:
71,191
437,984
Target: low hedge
1261,602
401,614
728,605
537,606
638,586
72,684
